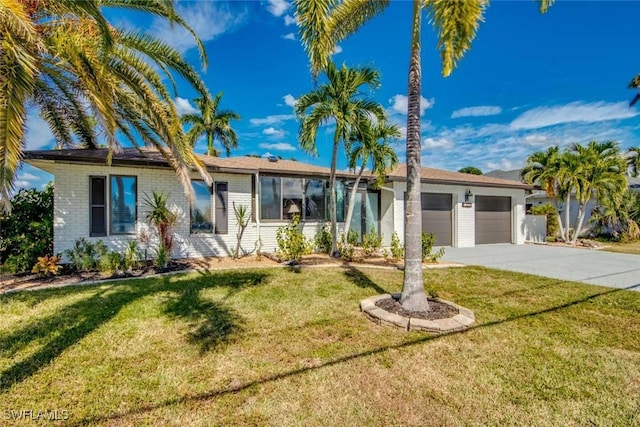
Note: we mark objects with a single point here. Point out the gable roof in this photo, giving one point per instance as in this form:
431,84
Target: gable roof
511,175
249,165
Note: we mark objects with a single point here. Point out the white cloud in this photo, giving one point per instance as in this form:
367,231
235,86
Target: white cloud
400,103
272,120
183,106
337,50
503,164
536,139
289,100
290,20
279,146
289,36
483,110
38,135
267,154
276,133
574,112
208,19
437,143
278,7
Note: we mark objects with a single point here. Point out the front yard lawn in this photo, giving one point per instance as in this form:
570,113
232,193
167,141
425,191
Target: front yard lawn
625,248
280,347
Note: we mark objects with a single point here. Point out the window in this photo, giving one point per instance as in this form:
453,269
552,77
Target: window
201,208
123,202
314,201
98,206
291,197
270,198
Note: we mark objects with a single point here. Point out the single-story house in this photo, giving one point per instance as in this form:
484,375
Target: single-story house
94,200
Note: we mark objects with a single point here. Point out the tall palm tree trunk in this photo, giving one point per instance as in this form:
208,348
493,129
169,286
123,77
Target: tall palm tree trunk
567,217
352,201
413,296
582,212
558,218
332,196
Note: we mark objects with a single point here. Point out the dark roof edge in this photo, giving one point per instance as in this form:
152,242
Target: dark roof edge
467,183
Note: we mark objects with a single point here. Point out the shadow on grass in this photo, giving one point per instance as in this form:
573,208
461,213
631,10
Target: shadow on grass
361,280
213,323
214,394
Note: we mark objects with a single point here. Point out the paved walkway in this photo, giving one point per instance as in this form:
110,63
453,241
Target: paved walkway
580,265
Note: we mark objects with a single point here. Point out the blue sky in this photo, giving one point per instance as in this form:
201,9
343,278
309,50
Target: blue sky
529,81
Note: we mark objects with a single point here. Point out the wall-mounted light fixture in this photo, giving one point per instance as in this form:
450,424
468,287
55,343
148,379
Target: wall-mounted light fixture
468,196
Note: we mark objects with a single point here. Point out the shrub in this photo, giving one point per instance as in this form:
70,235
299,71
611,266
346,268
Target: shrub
353,238
85,256
371,242
345,248
291,242
322,240
27,232
162,257
111,262
397,249
47,266
427,246
131,258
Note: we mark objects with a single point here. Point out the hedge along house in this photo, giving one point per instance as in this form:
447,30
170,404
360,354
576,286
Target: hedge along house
95,201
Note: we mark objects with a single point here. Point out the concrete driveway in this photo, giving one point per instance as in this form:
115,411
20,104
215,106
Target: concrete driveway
580,265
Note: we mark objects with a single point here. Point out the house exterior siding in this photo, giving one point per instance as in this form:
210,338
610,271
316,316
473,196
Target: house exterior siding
463,217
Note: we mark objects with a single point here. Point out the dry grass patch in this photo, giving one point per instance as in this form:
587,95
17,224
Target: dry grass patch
278,347
625,248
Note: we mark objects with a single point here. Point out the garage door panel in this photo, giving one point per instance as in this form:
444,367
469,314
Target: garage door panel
437,217
493,219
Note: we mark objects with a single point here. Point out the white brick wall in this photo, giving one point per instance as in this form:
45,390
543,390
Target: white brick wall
72,211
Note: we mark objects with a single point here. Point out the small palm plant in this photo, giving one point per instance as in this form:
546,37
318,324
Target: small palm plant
162,218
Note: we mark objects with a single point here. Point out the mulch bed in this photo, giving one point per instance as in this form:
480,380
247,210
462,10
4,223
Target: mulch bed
437,309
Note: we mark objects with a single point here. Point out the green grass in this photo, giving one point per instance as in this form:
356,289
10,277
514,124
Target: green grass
625,248
278,347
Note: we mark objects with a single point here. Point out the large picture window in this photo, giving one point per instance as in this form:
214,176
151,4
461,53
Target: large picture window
281,198
123,202
201,221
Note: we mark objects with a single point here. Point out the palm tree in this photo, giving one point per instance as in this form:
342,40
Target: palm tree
213,124
339,100
543,167
369,144
635,84
600,173
633,160
89,79
324,23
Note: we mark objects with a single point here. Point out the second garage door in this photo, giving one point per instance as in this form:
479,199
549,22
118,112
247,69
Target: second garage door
437,217
493,219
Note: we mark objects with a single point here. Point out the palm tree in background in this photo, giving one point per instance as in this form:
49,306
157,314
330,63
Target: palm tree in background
324,23
213,123
369,144
542,168
337,100
635,84
90,80
600,174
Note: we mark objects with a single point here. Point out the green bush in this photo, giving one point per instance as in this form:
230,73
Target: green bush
291,242
27,233
371,242
132,256
163,256
322,240
111,262
428,240
397,249
345,248
85,255
353,238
